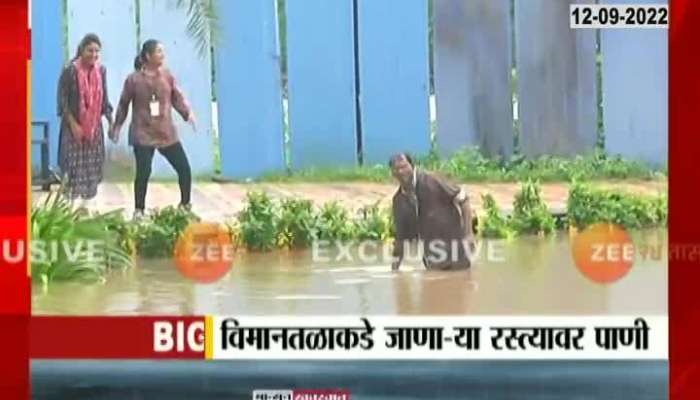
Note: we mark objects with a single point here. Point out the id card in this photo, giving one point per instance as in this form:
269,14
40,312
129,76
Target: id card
155,108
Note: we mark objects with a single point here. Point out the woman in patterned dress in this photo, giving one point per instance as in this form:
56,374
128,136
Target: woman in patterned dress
82,102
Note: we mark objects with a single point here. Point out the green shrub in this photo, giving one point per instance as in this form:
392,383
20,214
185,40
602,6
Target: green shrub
494,224
587,206
257,222
124,229
372,223
297,223
58,231
156,237
265,224
334,222
530,213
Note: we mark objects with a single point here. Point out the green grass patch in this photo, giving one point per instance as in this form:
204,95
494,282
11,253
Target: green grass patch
469,165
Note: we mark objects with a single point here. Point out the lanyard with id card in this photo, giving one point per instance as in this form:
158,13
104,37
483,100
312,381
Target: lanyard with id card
154,106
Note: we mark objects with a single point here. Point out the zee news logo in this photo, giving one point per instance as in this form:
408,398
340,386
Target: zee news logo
605,252
301,394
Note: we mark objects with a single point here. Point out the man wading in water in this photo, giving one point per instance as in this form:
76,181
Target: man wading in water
433,211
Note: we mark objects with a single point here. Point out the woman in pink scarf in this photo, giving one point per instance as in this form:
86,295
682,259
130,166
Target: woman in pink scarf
82,102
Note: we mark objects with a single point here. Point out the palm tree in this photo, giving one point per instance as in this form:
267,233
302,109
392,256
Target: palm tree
202,24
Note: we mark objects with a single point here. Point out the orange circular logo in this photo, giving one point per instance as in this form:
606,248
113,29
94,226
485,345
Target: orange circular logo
603,252
204,252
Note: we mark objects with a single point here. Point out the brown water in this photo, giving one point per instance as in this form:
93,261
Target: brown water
538,277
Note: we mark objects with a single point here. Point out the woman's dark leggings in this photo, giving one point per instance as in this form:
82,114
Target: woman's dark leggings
176,156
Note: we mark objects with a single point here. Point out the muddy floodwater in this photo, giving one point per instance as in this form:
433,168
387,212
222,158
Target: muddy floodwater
528,275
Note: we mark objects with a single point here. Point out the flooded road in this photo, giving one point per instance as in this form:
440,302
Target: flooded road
529,275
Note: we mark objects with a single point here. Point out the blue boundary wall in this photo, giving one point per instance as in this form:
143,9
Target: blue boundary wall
160,20
249,89
379,66
115,24
556,79
394,87
321,83
472,50
47,63
635,91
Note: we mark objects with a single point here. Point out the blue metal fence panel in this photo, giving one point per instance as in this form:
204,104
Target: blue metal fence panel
472,50
37,133
162,21
47,62
556,71
321,83
556,78
249,89
635,91
115,23
394,88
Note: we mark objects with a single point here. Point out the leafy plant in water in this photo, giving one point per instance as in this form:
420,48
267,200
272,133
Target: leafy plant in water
334,222
297,223
257,222
71,244
372,223
587,206
494,224
530,213
125,231
156,237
